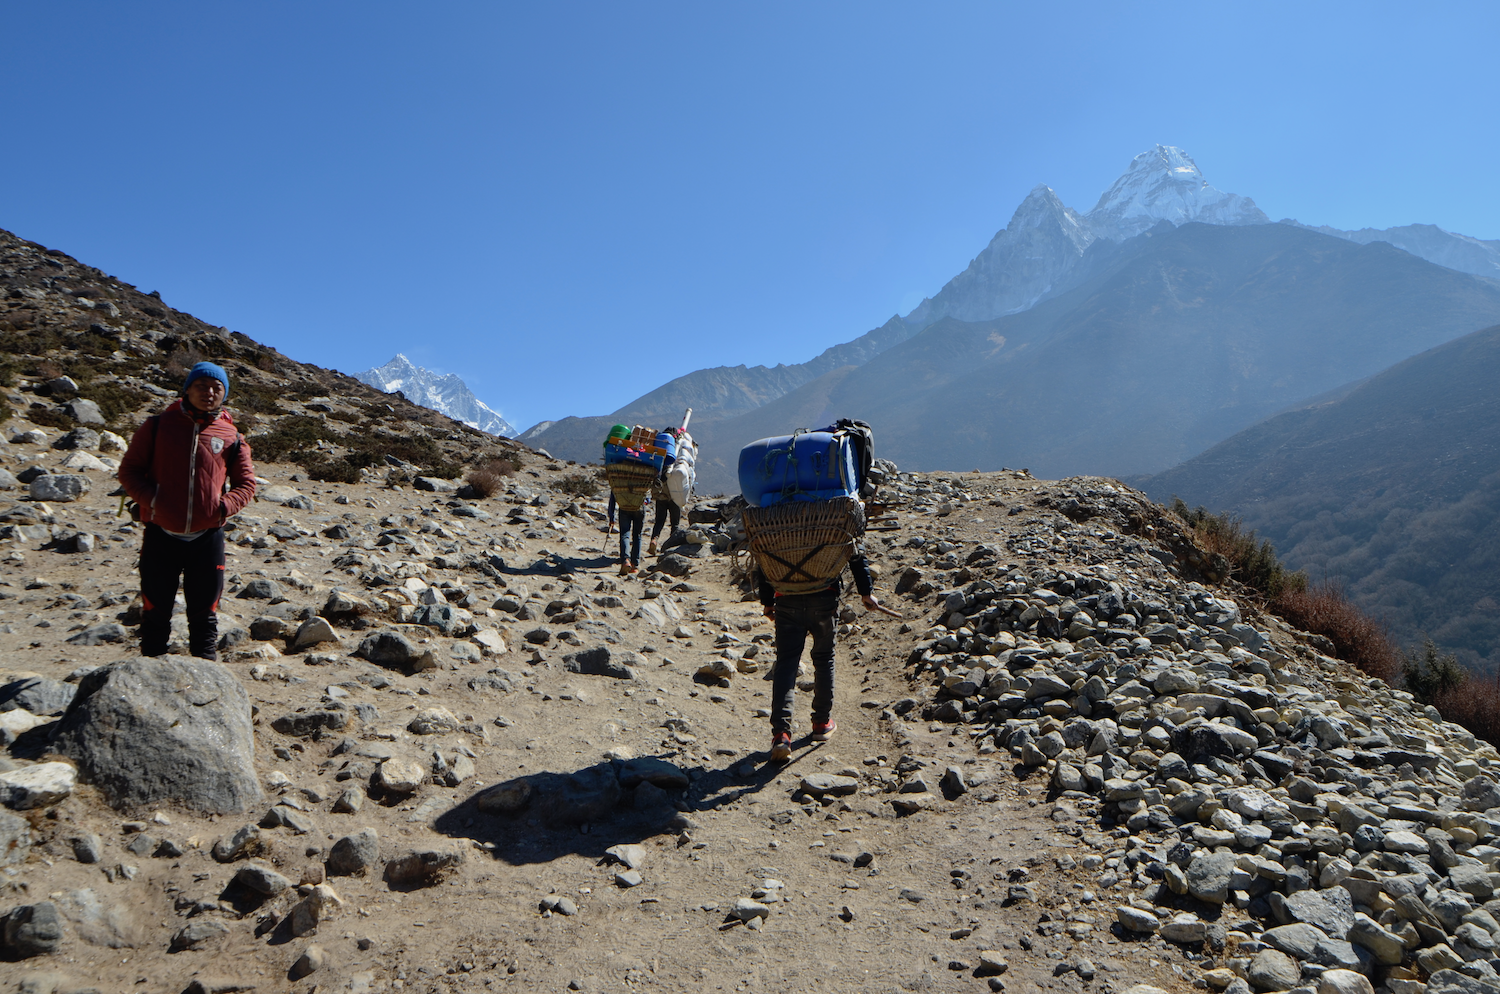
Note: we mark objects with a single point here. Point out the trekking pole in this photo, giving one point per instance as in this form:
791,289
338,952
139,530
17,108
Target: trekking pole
887,611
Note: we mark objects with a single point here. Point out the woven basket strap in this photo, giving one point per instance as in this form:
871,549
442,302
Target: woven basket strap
793,569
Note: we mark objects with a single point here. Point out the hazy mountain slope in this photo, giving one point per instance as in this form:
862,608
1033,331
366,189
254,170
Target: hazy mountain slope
1394,489
1186,336
442,392
1446,248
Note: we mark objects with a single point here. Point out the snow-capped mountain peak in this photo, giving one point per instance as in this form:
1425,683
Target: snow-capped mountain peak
446,393
1165,184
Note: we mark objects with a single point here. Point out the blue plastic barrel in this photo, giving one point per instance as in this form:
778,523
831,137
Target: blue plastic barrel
666,441
810,465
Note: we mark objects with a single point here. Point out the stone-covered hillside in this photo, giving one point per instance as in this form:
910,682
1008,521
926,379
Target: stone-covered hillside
82,348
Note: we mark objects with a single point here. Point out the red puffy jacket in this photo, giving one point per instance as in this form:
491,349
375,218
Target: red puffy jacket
175,470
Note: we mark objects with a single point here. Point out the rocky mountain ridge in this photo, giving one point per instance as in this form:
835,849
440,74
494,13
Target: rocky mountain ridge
445,393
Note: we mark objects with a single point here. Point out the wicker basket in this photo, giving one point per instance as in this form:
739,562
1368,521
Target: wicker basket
802,546
630,482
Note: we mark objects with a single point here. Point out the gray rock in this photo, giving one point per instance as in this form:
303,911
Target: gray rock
819,784
1184,929
312,960
1330,911
433,721
421,869
88,848
1474,880
1298,939
1388,947
268,627
1135,920
314,722
632,855
314,631
443,617
38,786
37,695
393,649
8,480
1273,970
649,769
1453,982
599,661
244,842
399,776
85,412
1344,982
113,926
434,485
78,438
262,880
106,634
1208,876
31,930
1480,793
166,730
261,589
60,488
197,934
354,854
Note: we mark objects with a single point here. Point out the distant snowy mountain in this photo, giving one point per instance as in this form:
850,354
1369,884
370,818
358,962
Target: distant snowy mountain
1046,238
445,393
1427,241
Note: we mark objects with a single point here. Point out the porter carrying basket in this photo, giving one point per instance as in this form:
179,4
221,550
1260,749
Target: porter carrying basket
803,546
630,482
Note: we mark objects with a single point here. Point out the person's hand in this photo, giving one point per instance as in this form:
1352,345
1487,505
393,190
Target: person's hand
870,603
770,610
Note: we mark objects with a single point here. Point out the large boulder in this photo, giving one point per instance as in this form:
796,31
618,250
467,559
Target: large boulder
172,729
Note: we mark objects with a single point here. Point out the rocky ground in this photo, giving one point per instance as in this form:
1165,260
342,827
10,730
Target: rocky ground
448,747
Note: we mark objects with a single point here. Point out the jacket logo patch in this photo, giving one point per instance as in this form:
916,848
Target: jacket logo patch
217,444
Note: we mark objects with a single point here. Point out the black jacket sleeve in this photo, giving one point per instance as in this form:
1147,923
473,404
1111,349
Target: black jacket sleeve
860,568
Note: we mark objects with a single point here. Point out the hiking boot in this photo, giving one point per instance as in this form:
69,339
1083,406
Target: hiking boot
651,549
781,747
823,730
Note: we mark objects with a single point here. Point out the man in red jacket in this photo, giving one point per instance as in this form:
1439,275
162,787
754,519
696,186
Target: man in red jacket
189,470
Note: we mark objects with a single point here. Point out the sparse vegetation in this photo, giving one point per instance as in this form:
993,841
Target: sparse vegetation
291,438
1324,609
580,484
489,476
1254,564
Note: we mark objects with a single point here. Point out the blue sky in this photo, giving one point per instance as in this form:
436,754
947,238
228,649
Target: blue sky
568,204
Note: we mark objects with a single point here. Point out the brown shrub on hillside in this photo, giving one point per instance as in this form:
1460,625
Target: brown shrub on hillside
488,477
1324,609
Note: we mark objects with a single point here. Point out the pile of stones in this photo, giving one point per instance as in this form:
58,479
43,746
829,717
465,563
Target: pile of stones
1273,807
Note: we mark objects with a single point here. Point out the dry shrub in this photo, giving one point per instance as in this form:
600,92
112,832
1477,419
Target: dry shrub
489,476
1255,564
1474,704
1324,609
579,484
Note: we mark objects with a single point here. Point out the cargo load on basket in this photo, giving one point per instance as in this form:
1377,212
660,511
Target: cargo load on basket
632,464
804,519
803,466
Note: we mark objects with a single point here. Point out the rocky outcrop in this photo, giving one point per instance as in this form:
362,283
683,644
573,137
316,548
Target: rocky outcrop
168,730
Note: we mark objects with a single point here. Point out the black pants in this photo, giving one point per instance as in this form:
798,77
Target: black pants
664,507
200,566
631,523
797,617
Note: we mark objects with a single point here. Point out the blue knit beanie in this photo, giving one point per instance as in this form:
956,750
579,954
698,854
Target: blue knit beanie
203,369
